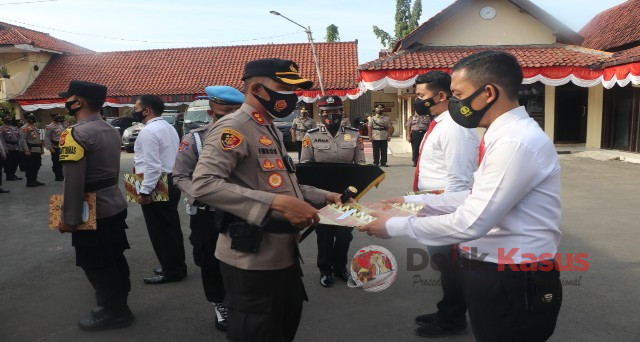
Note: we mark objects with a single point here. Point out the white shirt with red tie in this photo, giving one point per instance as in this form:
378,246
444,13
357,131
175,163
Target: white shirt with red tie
513,211
448,156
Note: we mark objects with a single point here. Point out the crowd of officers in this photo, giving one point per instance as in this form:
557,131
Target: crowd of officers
21,148
247,207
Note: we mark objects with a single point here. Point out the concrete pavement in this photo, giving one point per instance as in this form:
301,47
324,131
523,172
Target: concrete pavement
43,294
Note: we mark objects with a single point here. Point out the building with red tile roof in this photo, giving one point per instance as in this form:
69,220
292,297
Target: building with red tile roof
20,39
615,29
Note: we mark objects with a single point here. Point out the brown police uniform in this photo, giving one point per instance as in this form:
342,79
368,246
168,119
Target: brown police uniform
11,138
379,127
30,141
320,146
52,140
90,154
240,171
300,126
417,126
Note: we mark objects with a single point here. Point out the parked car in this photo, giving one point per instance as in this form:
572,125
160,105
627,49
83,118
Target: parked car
129,136
284,125
120,123
196,115
175,119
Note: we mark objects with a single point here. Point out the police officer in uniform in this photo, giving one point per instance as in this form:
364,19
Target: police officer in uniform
32,147
380,131
245,172
300,126
223,100
3,158
90,154
10,135
51,142
417,126
332,143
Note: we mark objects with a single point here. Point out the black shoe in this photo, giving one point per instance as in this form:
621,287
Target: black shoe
3,191
158,271
427,318
344,275
32,184
326,280
161,279
221,313
106,321
434,330
13,178
97,312
39,183
415,164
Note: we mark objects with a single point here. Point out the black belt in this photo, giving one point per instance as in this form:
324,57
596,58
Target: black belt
34,145
419,130
379,129
279,227
101,184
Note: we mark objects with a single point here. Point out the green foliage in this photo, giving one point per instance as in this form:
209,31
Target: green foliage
7,109
332,34
406,18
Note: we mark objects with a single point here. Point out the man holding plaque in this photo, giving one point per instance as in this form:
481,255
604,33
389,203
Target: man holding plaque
90,156
156,149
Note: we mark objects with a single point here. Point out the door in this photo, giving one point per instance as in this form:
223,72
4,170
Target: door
571,114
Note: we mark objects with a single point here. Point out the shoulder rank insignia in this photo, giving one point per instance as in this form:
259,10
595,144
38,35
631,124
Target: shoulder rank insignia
351,128
313,130
257,117
230,139
280,164
306,142
70,149
268,164
264,140
183,146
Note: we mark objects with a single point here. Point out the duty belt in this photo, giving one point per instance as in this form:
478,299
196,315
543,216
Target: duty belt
379,129
34,145
101,184
279,227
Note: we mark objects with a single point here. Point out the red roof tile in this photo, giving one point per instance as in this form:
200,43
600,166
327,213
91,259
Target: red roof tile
614,28
533,56
16,35
624,57
189,70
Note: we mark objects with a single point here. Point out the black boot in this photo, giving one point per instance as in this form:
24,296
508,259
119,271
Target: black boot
106,321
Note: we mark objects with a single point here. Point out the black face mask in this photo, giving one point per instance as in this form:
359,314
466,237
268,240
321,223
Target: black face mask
280,104
71,111
332,121
423,107
462,113
218,116
138,116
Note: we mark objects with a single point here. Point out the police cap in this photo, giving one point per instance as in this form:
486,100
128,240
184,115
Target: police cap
330,102
87,90
280,70
224,95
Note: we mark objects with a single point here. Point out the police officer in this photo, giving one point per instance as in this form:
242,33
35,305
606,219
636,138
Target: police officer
380,131
245,171
204,235
3,158
417,126
332,143
90,154
51,141
10,135
32,147
300,126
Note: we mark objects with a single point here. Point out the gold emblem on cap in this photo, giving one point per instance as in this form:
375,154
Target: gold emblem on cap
293,68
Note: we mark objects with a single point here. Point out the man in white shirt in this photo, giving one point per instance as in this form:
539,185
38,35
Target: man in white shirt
156,149
446,162
508,225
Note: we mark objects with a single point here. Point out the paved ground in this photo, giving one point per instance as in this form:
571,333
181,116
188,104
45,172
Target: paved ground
43,294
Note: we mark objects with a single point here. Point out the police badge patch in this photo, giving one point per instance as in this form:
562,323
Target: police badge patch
230,139
306,142
275,180
183,146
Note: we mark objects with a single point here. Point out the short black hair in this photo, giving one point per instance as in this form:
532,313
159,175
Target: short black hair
93,104
153,102
493,67
436,81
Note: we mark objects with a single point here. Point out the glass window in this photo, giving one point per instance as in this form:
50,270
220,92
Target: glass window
531,96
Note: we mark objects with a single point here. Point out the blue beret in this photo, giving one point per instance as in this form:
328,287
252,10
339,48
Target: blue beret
224,95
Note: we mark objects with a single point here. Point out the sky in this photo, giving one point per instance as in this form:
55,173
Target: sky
144,24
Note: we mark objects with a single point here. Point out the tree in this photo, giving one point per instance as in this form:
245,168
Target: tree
407,19
332,34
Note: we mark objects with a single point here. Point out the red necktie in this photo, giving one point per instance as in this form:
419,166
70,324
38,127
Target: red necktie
415,178
481,151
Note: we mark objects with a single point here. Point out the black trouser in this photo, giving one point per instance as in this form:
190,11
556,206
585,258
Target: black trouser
57,166
333,246
299,147
11,164
204,238
163,225
379,152
497,304
2,164
263,305
22,162
416,140
32,166
100,253
452,307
